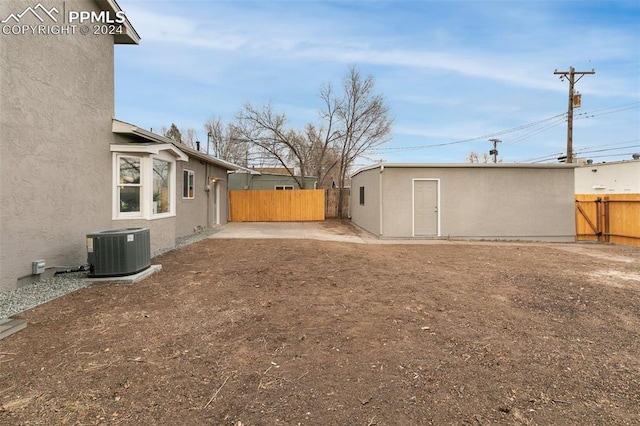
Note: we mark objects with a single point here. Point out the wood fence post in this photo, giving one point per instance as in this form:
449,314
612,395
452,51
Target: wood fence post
606,218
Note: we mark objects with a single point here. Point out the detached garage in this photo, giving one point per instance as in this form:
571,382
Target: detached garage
466,201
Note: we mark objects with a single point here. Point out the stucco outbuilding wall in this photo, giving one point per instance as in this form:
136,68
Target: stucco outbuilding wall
475,201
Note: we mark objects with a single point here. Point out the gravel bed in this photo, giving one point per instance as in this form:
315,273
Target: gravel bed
31,295
42,291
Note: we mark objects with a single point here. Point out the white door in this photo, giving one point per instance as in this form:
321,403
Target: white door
425,208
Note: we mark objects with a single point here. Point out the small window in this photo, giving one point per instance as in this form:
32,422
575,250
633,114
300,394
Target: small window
283,187
362,195
188,179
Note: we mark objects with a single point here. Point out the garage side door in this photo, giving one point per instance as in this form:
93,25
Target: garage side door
425,208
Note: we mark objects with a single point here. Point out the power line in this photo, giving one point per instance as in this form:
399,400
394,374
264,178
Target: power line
584,149
622,107
579,152
609,149
584,115
491,135
554,121
610,144
537,131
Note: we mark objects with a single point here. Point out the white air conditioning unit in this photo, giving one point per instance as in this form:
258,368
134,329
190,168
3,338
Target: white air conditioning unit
118,252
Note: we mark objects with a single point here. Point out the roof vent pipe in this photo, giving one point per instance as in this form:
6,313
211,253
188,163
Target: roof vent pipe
198,145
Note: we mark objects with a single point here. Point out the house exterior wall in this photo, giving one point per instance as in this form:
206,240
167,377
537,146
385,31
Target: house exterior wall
241,181
608,178
223,193
57,102
481,202
366,216
196,213
162,232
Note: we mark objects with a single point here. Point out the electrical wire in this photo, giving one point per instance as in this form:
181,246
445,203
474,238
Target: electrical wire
555,156
559,119
535,132
487,136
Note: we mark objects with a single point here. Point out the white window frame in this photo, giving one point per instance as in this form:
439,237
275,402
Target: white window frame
283,187
146,186
171,185
192,174
118,186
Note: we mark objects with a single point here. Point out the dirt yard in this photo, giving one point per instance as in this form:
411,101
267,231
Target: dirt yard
303,332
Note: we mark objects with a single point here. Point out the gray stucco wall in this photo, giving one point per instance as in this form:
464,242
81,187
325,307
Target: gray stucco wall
222,183
481,202
162,232
366,216
55,130
198,212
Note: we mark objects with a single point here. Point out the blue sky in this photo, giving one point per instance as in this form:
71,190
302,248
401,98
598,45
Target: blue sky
450,70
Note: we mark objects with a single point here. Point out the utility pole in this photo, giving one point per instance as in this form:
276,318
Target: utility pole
571,76
494,151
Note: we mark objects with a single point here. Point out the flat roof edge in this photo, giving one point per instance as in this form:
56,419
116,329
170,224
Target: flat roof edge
465,166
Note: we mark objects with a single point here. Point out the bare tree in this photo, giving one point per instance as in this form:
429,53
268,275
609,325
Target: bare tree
268,132
323,159
189,137
474,157
227,142
351,123
361,119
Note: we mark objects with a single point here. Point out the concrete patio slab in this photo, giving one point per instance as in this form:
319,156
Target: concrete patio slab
287,230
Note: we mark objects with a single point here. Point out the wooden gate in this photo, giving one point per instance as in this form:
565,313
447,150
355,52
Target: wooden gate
276,206
611,219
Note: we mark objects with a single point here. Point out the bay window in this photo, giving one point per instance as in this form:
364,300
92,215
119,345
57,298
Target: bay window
145,181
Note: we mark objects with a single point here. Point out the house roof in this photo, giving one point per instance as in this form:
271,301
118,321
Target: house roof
151,139
383,166
274,170
129,35
150,148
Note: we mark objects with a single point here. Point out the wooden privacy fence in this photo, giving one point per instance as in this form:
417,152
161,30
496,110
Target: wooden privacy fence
276,206
331,202
614,218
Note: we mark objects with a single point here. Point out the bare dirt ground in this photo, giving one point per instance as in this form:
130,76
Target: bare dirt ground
304,332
